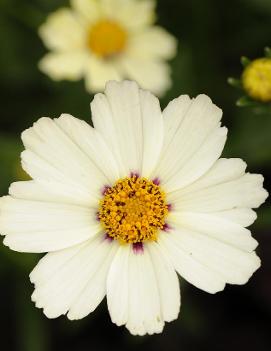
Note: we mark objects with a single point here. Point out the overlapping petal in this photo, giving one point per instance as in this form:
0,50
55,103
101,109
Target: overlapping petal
72,280
57,209
227,263
195,144
130,120
215,226
38,226
55,151
142,290
243,192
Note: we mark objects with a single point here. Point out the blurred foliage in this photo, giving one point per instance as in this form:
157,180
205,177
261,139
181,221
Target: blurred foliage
212,36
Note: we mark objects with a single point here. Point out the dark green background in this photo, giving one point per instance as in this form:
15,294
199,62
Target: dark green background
212,35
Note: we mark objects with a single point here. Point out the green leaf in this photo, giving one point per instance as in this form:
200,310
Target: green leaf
245,101
245,61
236,83
267,52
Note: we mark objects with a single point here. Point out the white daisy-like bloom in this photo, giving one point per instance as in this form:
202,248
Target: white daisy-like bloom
102,40
123,207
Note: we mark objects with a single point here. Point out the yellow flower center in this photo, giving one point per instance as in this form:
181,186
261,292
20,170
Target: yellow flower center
133,210
107,38
257,79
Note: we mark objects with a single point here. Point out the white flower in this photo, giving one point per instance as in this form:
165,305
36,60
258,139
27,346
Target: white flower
123,206
102,40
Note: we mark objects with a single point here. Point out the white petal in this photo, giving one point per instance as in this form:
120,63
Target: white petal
95,289
245,191
52,154
232,265
51,192
124,104
200,162
67,280
133,14
153,131
68,65
190,269
98,71
144,298
153,75
132,292
215,227
168,283
33,226
224,170
243,216
124,116
197,123
55,182
88,10
173,115
117,286
152,43
63,31
50,263
89,141
104,124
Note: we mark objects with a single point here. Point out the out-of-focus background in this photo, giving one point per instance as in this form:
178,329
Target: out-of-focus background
212,36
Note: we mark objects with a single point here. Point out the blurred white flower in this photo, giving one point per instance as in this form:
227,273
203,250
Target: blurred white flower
123,206
102,40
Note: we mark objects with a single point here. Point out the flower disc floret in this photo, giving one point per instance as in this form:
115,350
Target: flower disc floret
257,79
107,38
133,210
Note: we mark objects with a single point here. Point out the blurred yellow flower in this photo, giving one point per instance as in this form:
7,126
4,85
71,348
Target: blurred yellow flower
101,40
256,79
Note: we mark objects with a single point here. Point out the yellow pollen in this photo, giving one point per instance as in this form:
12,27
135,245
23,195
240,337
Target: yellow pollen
107,38
133,210
256,79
